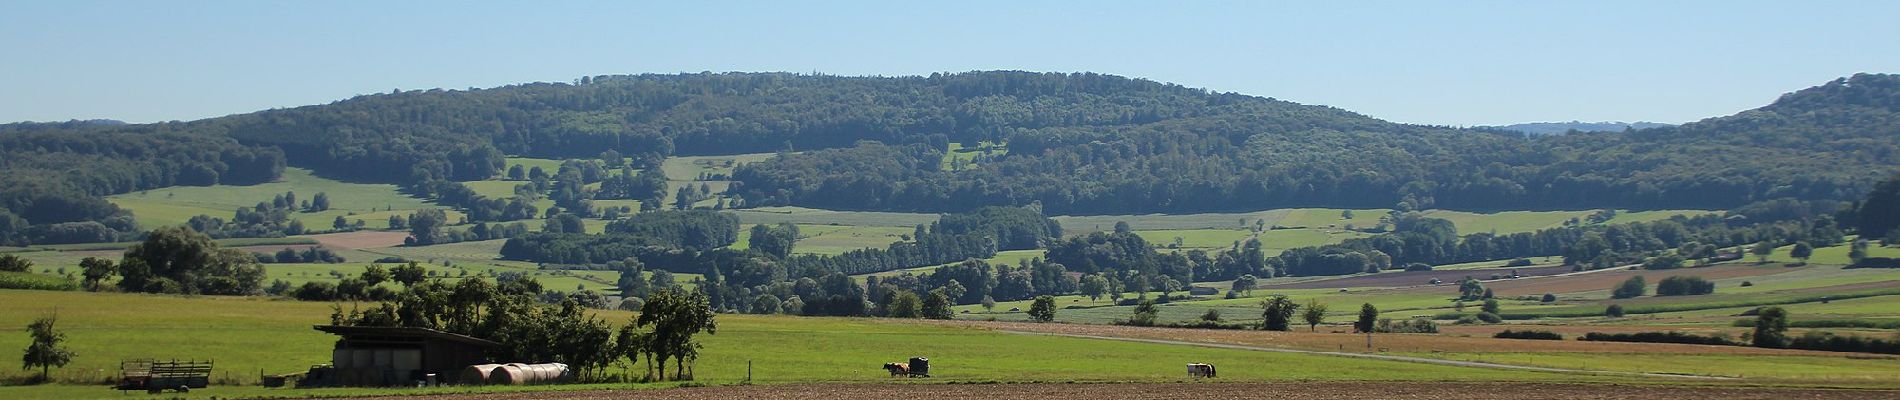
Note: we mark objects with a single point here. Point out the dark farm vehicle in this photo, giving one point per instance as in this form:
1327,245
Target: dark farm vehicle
918,367
154,376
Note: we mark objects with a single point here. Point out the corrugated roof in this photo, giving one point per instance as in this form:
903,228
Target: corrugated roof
347,331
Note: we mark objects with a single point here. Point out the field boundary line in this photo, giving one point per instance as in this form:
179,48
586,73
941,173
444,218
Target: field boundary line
1384,357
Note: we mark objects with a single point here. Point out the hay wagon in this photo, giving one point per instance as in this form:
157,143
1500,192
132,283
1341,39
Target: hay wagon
155,376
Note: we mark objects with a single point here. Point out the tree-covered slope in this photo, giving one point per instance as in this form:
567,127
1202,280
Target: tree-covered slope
1077,143
1828,142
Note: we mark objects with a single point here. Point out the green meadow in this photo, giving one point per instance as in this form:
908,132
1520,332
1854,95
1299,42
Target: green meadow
246,336
371,203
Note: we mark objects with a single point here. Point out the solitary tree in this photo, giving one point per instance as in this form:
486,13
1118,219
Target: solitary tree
1802,251
46,352
1771,328
1613,311
989,303
1762,251
1277,313
1043,309
1245,284
1314,315
1857,251
1093,286
1368,316
1490,306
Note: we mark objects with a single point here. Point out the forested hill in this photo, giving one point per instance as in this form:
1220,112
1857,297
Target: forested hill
1827,142
1078,143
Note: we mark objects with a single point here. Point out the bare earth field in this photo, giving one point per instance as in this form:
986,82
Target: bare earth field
361,239
1401,343
1416,278
1210,390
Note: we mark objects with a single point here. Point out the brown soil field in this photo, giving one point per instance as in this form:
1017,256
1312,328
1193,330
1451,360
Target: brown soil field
360,239
1606,279
1479,341
1208,390
1418,278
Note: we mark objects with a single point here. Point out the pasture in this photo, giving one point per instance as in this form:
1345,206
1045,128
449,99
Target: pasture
175,205
249,335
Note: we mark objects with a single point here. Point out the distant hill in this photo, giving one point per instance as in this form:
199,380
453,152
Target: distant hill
1558,128
1077,143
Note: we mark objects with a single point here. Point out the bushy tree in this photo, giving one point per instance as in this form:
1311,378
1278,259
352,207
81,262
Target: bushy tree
1043,309
1802,251
904,304
1771,328
937,305
409,274
1093,286
1633,287
13,263
1490,306
1684,286
1277,313
95,271
1368,318
1762,250
1245,284
1613,311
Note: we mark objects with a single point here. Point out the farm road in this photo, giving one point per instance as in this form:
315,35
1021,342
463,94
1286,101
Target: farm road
1371,356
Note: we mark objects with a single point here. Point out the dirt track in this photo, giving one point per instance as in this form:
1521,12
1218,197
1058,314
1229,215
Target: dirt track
1301,390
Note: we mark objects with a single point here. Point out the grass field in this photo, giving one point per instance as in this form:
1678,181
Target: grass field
1196,238
967,155
246,336
1075,225
175,205
812,216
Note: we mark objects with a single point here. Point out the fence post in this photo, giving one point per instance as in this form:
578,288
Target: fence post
748,371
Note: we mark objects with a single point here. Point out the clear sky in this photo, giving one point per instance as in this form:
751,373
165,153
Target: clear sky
1454,63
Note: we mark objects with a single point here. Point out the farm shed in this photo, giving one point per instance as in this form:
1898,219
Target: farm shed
392,356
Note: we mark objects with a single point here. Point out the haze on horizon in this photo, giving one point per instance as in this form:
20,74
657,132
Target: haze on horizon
1463,63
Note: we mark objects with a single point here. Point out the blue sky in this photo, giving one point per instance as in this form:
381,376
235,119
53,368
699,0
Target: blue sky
1454,63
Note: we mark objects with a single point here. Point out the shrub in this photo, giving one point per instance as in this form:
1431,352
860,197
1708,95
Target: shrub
1549,298
1490,318
13,263
1816,340
1658,337
1613,311
1747,283
1519,262
1418,267
1415,325
1634,287
1528,334
1877,262
1467,319
1684,286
